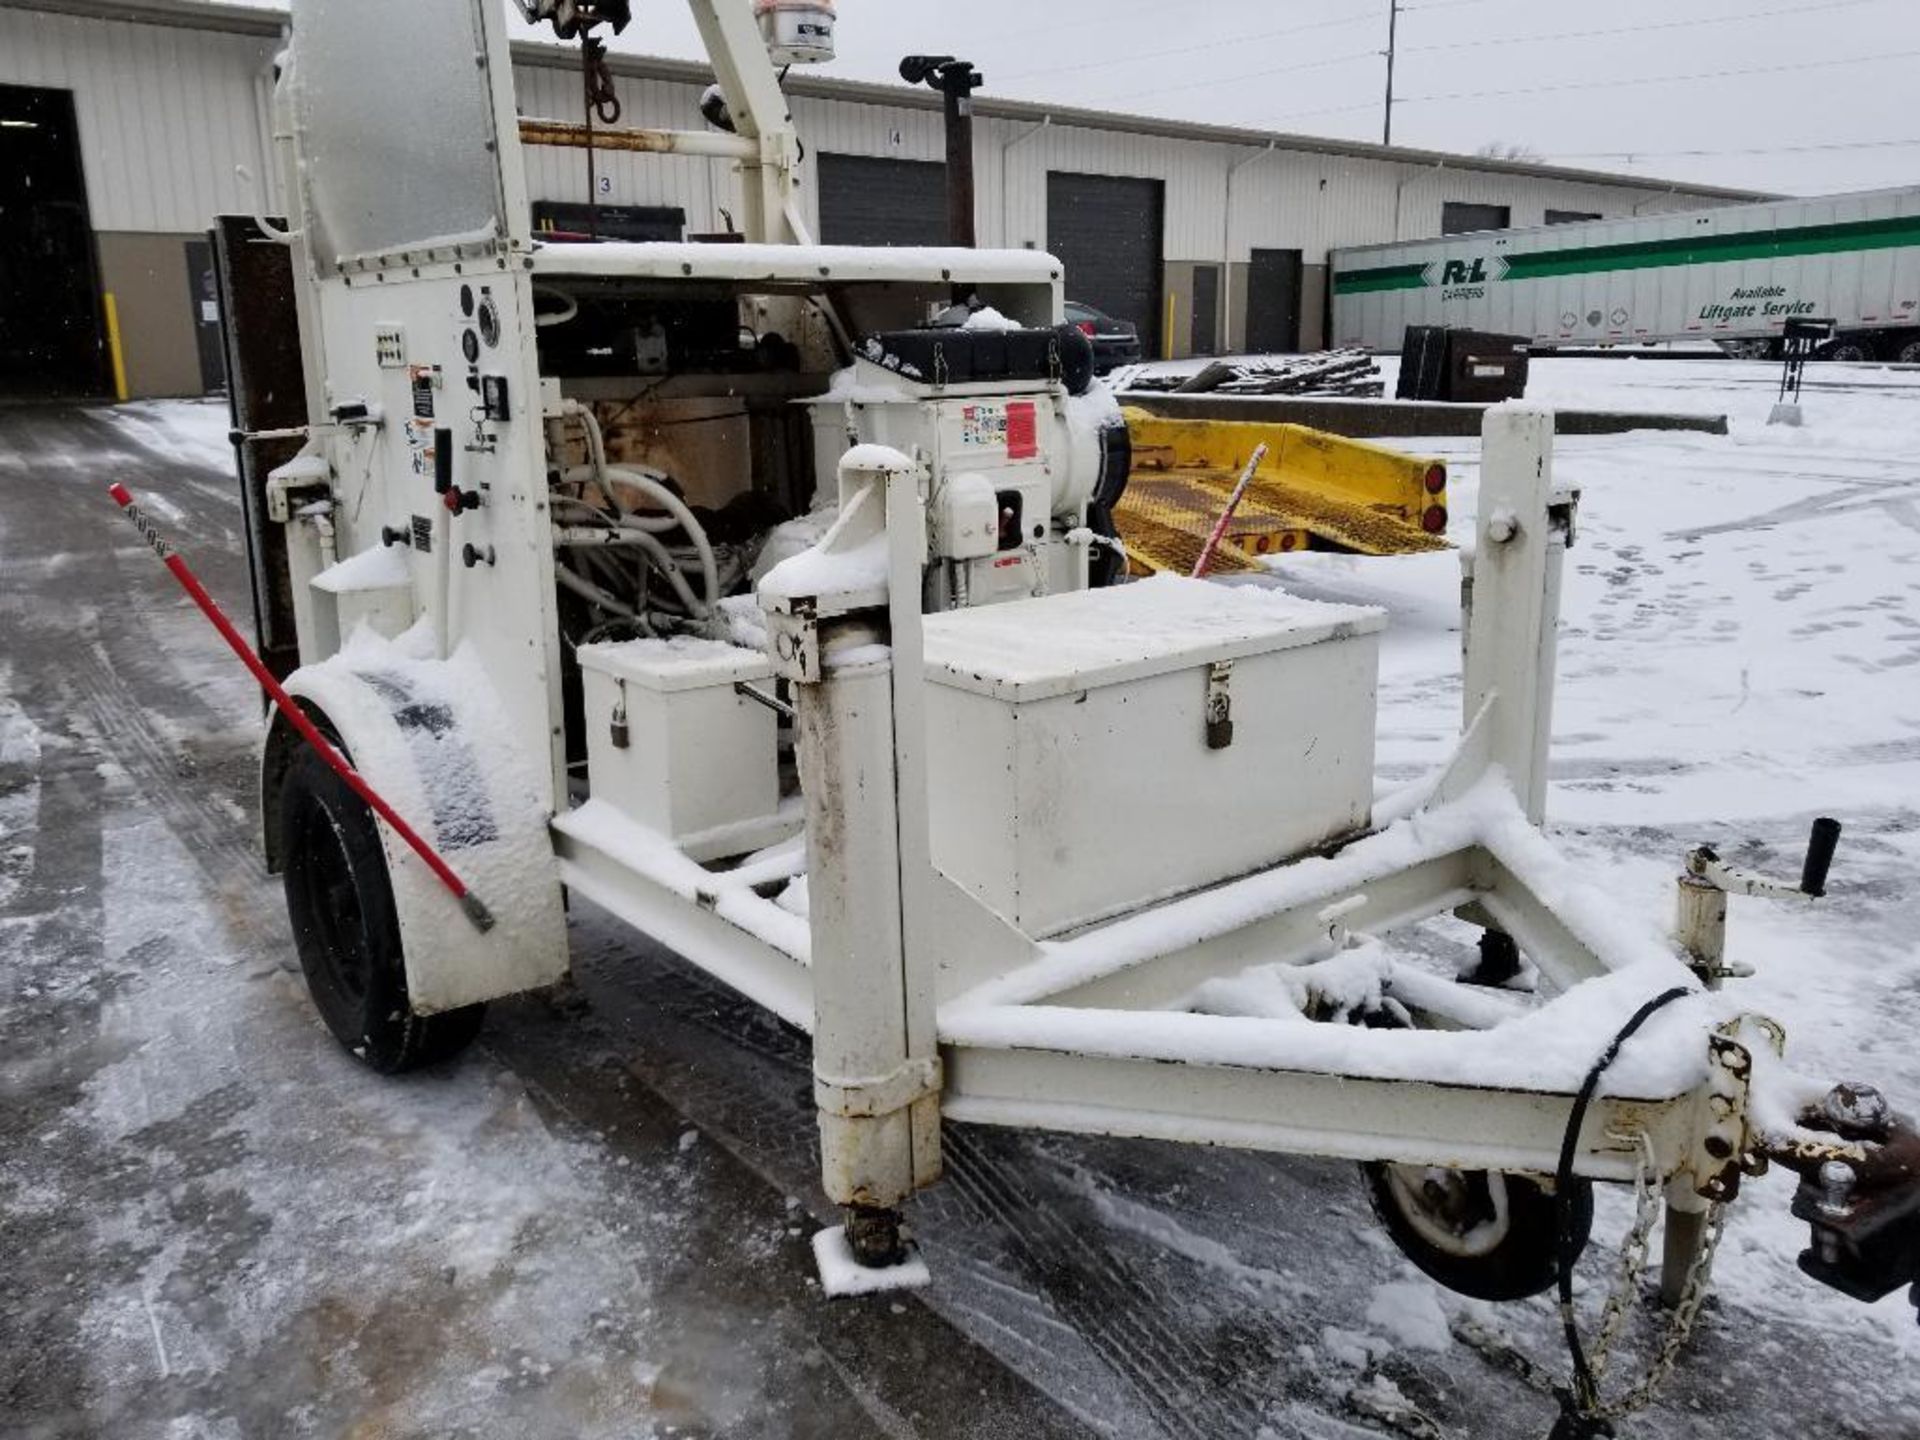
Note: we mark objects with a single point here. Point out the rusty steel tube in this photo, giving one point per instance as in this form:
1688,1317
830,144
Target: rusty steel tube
566,134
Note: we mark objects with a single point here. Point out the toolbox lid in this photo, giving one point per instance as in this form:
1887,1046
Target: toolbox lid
1059,644
684,662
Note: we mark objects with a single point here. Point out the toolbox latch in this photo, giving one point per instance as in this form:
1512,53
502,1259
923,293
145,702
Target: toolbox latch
1219,705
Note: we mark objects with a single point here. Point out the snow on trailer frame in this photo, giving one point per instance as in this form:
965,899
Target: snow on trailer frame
957,691
1733,274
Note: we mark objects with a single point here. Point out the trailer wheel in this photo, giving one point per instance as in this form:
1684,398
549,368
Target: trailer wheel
1850,347
347,929
1477,1232
1909,353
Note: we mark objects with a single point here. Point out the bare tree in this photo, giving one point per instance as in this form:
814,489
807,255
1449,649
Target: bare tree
1508,150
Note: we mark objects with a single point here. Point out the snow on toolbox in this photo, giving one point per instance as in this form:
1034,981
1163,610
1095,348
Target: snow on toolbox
862,733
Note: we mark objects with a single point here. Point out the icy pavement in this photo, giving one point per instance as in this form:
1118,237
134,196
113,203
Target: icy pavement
213,1224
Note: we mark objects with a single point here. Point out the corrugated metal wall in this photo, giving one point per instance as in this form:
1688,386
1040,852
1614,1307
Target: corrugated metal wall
699,186
1284,199
165,114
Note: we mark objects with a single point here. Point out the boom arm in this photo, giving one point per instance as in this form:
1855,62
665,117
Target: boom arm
771,183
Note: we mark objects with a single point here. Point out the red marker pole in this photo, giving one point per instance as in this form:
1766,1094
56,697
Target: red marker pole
470,903
1226,515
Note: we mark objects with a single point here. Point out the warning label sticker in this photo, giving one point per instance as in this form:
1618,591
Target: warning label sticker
1022,439
420,446
983,425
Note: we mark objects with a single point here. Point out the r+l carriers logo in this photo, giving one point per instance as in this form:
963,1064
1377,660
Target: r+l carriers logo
1465,279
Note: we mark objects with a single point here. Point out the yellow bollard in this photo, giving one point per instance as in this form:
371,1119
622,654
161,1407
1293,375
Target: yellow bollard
113,346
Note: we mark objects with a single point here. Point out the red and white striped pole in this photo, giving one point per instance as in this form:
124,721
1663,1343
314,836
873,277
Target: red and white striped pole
1226,515
470,903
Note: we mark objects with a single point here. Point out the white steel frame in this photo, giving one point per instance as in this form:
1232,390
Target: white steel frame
923,1004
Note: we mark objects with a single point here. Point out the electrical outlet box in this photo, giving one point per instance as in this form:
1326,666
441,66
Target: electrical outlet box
390,347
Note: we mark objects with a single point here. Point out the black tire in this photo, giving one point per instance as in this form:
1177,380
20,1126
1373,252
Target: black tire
1856,348
347,930
1518,1253
1909,352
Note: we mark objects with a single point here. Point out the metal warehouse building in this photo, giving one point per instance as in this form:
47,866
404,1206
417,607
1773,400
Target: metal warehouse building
122,124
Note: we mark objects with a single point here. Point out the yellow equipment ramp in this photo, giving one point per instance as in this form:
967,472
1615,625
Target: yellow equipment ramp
1314,490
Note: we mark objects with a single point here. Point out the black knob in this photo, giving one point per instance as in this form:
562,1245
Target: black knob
471,555
392,536
1820,847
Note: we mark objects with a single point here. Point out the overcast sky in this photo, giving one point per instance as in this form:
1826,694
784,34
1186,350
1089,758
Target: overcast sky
1800,96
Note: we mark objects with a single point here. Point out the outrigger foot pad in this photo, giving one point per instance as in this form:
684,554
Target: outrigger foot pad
841,1273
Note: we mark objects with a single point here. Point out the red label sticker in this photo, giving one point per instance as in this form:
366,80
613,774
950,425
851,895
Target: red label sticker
1021,441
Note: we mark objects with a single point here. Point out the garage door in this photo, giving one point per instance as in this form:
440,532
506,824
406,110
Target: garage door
1106,230
869,200
49,327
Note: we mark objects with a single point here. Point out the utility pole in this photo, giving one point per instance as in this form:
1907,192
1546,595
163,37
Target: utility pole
1393,24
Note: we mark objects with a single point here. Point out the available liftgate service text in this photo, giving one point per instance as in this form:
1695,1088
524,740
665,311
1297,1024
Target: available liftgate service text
1771,302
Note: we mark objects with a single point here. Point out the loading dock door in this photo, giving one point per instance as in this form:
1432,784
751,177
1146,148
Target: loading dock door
873,200
1273,302
1106,230
49,295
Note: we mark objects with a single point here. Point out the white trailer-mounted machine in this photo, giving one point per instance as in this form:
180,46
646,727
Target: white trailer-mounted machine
751,592
1736,274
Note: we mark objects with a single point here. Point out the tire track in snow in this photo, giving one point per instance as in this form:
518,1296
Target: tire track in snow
161,772
1055,1263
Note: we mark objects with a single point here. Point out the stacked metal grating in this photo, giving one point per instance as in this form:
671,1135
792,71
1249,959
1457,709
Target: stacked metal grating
1329,372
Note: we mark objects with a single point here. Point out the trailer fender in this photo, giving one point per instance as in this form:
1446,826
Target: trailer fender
428,737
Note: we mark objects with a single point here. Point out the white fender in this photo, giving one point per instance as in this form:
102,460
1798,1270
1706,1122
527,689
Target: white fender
431,737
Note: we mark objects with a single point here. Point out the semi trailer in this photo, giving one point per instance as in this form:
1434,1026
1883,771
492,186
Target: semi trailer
832,705
1734,275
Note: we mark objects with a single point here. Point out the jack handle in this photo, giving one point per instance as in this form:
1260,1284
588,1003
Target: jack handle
1820,847
1705,863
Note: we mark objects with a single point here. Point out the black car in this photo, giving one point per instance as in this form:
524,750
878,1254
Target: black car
1115,342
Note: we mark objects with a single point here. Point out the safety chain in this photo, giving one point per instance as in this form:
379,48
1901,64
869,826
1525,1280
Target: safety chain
1633,1251
1626,1285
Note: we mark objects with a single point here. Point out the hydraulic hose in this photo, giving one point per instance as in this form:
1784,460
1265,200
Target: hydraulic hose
659,494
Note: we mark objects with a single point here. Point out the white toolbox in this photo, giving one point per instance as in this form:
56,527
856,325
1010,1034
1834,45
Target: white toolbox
672,744
1066,733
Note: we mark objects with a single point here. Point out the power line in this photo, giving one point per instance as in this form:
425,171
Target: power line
1482,42
1080,23
1611,84
1187,49
1755,150
1308,114
1217,80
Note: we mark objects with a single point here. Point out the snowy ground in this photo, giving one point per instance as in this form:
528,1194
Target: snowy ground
212,1224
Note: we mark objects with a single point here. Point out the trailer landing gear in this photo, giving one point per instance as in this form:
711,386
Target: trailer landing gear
869,1253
